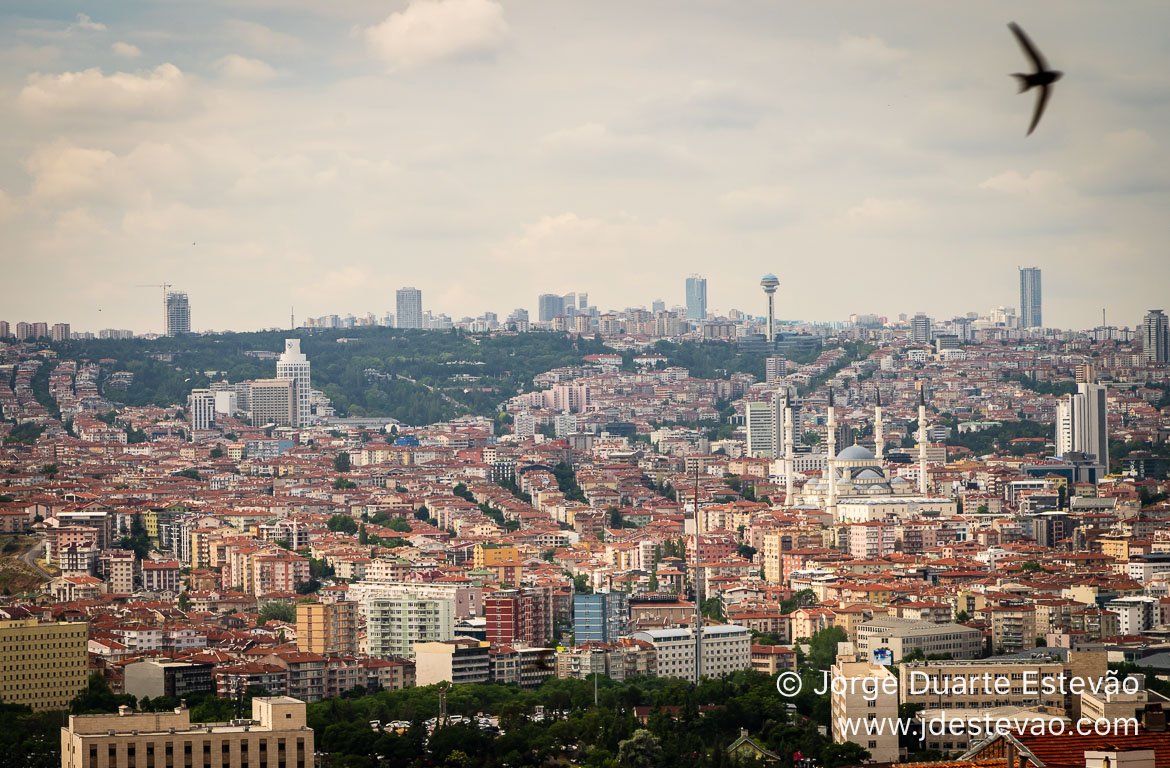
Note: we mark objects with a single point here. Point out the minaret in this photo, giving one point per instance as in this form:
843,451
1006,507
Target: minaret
831,447
789,451
923,479
879,433
770,283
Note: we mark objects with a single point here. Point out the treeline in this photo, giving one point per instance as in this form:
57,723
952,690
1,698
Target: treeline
417,377
999,438
572,730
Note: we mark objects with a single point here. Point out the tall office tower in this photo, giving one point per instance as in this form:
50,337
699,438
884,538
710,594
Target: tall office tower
1081,426
770,283
658,305
920,329
582,302
59,332
696,298
178,313
1155,338
549,305
1030,316
201,406
293,364
761,429
409,311
272,401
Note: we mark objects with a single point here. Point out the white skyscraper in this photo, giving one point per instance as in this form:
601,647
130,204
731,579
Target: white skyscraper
293,364
201,406
178,311
409,311
1081,426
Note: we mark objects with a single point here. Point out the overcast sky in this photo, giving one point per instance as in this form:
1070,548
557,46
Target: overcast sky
262,154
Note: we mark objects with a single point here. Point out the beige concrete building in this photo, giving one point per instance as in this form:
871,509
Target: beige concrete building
456,661
864,709
329,629
42,665
277,736
903,636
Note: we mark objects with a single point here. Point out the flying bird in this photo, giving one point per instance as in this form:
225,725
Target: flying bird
1042,78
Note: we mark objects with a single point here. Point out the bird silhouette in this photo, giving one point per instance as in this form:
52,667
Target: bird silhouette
1042,78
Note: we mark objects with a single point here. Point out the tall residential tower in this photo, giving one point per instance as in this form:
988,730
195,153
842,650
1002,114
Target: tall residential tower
1030,316
178,313
293,364
409,311
1155,338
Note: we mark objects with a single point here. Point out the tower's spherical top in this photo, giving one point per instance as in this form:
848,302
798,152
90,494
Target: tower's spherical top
769,282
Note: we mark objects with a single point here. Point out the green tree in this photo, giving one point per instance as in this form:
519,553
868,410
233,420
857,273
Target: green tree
342,524
97,698
277,610
822,650
642,750
341,462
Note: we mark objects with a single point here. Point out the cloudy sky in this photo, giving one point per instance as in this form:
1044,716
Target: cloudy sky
262,154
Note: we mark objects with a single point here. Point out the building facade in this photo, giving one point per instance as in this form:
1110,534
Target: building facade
1156,338
42,665
293,365
408,308
1030,298
696,298
178,311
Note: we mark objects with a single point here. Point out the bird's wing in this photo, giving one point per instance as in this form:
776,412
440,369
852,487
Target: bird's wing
1029,49
1041,102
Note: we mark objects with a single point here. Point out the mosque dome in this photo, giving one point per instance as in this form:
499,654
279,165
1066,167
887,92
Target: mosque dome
855,453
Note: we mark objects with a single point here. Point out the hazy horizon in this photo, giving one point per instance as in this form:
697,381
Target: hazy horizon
263,155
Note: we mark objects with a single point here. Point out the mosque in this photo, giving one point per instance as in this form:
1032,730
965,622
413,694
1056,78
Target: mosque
855,487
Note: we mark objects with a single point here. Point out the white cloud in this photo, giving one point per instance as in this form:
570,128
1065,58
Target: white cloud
126,50
870,49
91,91
1016,183
880,212
261,38
434,30
63,170
236,67
88,24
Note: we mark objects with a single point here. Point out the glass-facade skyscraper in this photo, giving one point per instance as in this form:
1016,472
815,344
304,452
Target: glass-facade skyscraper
1030,315
696,298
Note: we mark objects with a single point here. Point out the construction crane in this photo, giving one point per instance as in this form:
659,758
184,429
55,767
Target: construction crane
164,287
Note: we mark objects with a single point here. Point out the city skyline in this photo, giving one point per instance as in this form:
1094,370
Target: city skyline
140,148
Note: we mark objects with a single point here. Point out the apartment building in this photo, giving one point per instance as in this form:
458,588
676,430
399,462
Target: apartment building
329,629
726,648
42,665
395,624
852,706
276,736
455,661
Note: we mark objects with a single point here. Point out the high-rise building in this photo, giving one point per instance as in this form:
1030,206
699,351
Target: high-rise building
272,401
601,616
518,616
1155,338
42,666
59,332
760,436
201,407
726,649
40,330
920,329
408,310
1081,425
1030,316
5,329
293,364
395,623
23,331
696,297
178,311
549,305
328,629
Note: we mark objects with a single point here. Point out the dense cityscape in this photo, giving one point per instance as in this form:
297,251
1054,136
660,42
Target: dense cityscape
544,384
683,497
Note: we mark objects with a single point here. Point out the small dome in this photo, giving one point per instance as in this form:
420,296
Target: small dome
869,473
855,453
